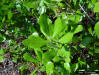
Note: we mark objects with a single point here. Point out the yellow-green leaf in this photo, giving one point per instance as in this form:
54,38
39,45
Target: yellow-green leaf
96,8
67,38
34,42
78,29
97,29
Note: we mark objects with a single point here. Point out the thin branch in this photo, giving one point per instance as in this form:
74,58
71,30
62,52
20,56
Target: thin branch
87,14
67,4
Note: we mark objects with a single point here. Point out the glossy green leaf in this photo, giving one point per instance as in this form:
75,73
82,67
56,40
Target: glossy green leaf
81,62
34,42
42,10
96,8
59,27
56,59
67,38
49,68
31,4
29,57
67,59
74,18
78,29
39,54
67,66
46,25
96,28
63,52
43,21
93,1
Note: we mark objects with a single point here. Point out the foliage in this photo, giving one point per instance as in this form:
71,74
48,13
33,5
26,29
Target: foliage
59,37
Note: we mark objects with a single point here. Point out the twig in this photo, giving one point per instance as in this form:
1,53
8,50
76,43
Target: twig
67,4
86,14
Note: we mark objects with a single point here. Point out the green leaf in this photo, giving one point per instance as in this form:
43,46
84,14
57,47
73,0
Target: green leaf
46,25
90,30
42,10
93,1
75,1
67,38
34,42
31,4
47,56
29,57
96,28
1,58
23,67
10,15
96,8
63,52
43,69
2,51
74,18
67,66
90,5
56,59
97,50
78,29
59,27
49,68
56,0
59,69
81,62
39,54
74,67
67,59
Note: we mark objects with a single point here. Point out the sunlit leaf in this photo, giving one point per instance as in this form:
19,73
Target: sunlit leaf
31,4
29,57
67,66
34,42
46,25
59,27
2,51
67,38
97,29
78,29
96,8
1,58
49,68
